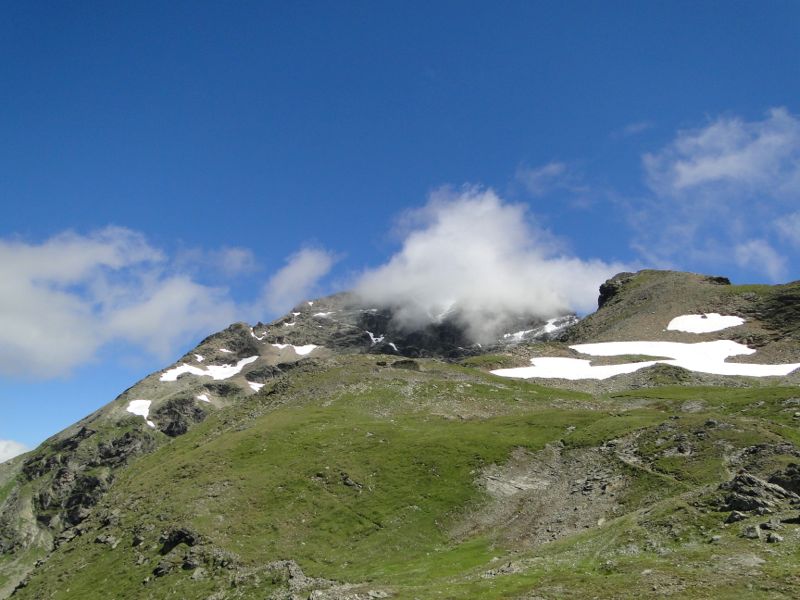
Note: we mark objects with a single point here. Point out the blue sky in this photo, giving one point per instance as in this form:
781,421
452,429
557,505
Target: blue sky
166,168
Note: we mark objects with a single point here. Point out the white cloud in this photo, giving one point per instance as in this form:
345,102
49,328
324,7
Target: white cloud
63,299
297,279
760,256
171,310
9,449
487,258
721,193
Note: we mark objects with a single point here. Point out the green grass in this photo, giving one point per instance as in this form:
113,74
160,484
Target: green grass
490,361
264,480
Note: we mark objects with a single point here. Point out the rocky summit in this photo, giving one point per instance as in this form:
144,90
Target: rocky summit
649,449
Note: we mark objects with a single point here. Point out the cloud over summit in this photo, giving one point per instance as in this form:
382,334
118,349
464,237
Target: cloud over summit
485,257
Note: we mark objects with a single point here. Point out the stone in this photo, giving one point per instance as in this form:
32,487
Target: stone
751,532
735,516
108,540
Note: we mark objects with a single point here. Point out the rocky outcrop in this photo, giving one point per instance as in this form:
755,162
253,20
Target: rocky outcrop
609,290
746,492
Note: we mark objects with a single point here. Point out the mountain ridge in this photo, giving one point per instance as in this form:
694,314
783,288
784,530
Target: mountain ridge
58,495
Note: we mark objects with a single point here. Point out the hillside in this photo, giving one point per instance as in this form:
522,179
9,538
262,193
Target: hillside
332,454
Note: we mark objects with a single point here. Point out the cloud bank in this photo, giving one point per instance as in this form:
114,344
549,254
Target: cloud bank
486,258
726,193
64,299
9,449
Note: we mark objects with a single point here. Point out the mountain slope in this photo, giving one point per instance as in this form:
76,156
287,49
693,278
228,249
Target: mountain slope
359,475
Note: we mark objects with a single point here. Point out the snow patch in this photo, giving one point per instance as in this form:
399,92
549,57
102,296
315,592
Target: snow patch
700,357
217,372
300,350
198,358
296,314
203,398
323,314
551,326
142,409
289,324
375,339
255,386
704,323
226,351
310,303
253,333
517,335
394,347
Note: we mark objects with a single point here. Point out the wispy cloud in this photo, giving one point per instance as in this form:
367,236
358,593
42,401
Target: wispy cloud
723,194
9,449
227,262
788,228
759,255
298,278
633,129
487,258
545,179
732,155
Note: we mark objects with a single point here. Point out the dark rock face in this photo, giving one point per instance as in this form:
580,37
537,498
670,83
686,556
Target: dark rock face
264,373
718,280
84,496
222,388
447,339
781,310
174,537
176,416
119,450
70,476
611,288
788,479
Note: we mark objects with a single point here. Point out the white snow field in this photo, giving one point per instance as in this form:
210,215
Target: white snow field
701,357
569,368
142,409
705,323
216,372
255,386
203,398
299,350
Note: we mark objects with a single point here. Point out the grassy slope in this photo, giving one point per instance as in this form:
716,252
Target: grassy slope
263,480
